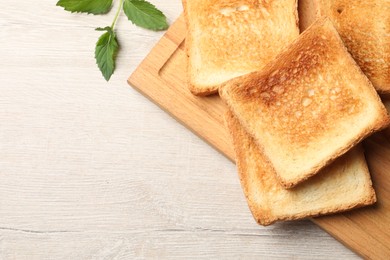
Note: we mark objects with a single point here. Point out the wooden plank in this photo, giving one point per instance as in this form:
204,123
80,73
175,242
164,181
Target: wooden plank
162,78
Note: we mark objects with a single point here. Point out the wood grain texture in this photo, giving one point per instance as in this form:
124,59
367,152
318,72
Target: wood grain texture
93,170
161,77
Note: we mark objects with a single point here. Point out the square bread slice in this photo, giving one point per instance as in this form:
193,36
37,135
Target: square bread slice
364,27
308,106
229,38
341,186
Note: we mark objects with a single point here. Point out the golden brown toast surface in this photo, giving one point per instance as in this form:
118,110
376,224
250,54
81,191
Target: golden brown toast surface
364,27
307,107
226,39
341,186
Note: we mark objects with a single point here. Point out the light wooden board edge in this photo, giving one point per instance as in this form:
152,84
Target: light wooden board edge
150,68
339,226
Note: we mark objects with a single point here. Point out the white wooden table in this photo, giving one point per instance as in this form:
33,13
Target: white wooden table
93,170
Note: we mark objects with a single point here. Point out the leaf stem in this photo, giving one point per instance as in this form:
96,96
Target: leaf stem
117,14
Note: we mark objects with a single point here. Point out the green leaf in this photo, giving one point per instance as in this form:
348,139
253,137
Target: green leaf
86,6
144,14
105,52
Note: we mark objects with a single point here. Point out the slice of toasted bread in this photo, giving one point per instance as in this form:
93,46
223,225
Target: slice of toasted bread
341,186
230,38
308,106
364,27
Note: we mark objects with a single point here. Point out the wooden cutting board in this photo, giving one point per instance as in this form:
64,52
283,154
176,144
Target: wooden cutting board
162,78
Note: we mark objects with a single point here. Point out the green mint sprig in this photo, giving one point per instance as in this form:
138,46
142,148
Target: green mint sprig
139,12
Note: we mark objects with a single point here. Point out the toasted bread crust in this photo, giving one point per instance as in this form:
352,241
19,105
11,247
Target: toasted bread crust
230,38
196,90
305,96
364,27
262,189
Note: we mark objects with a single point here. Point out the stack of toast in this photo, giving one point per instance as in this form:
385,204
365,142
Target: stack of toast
299,104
